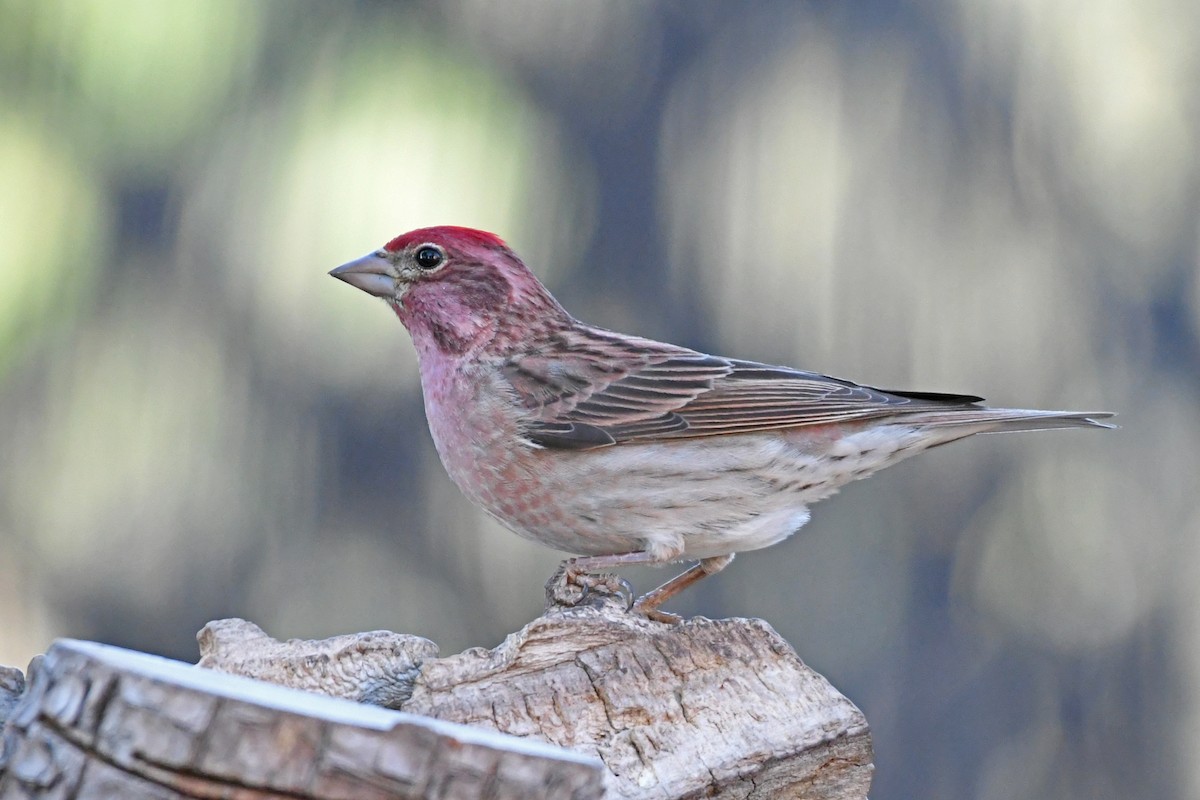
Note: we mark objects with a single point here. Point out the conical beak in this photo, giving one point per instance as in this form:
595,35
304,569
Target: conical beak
369,273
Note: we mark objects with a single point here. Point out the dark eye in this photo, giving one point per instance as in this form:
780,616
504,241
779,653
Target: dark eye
428,257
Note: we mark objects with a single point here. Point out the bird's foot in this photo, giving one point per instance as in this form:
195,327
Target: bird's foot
648,605
655,614
570,587
607,583
577,582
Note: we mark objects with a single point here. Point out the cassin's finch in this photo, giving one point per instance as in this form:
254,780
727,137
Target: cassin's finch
630,451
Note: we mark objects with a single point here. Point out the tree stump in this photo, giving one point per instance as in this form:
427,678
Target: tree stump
585,702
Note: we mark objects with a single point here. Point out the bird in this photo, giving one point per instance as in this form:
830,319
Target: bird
623,450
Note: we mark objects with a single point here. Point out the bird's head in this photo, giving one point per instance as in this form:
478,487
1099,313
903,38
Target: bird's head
455,289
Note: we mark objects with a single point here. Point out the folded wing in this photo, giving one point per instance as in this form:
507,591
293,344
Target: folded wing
594,388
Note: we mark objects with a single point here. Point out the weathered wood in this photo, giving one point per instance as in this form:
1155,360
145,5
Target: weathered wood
703,709
12,686
378,667
101,722
644,709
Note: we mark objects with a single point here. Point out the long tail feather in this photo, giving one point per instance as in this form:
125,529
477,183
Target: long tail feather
998,420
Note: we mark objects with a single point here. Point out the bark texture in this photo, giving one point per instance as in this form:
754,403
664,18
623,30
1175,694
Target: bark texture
706,708
101,722
640,709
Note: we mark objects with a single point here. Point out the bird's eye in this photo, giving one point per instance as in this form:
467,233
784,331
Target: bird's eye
428,257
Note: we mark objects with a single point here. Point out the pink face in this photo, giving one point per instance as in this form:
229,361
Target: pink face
451,284
453,288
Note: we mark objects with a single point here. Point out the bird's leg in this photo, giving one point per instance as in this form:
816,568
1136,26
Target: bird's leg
579,569
582,564
647,605
575,572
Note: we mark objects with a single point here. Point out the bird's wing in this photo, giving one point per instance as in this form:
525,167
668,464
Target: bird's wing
594,388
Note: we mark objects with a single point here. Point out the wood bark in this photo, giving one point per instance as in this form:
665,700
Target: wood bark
101,722
583,702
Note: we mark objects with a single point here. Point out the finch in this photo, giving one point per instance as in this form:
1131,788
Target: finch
624,450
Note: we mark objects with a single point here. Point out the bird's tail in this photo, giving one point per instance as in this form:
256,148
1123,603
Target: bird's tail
1001,420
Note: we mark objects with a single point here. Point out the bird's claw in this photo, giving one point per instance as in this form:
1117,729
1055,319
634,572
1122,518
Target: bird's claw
570,587
609,584
648,608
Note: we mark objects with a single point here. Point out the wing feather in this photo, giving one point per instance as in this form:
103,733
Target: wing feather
592,388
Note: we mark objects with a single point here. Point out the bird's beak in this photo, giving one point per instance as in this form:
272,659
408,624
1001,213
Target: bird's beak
369,273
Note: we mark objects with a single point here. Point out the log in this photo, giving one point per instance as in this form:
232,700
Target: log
99,722
585,701
702,709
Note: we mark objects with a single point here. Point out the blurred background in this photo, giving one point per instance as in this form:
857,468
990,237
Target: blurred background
979,196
